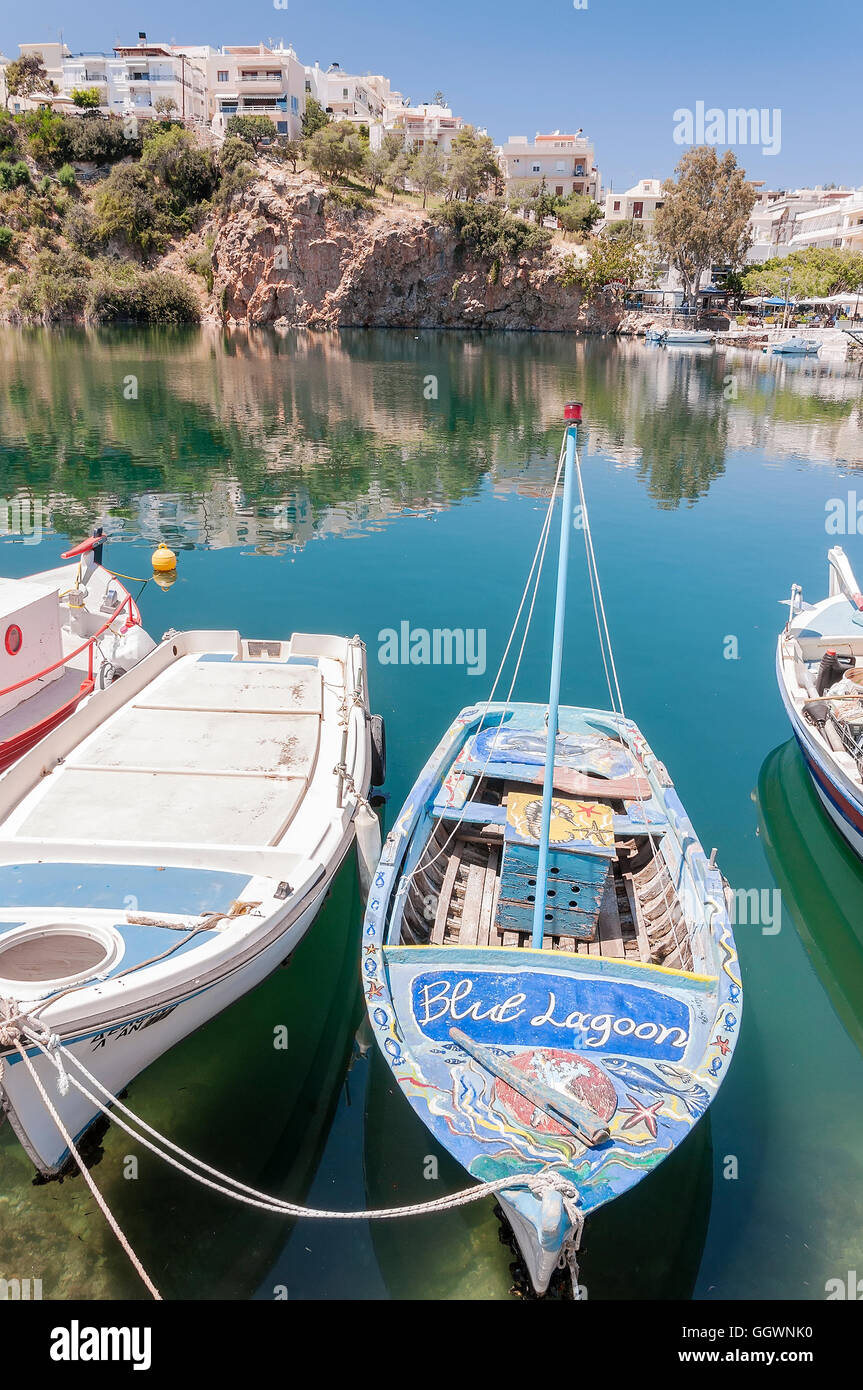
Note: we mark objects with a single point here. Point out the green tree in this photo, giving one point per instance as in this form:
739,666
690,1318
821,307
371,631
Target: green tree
375,164
816,271
578,213
705,217
253,129
428,171
611,260
472,164
292,152
86,98
27,77
165,107
314,117
396,173
334,151
128,208
180,167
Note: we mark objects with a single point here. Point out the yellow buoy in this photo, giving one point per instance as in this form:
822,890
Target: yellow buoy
164,559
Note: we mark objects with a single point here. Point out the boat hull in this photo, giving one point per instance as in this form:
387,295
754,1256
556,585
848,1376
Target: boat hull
11,749
115,1051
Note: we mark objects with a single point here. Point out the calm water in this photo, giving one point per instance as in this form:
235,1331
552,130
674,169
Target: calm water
327,484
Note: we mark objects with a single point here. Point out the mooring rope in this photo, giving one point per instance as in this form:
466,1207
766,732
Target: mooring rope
85,1173
57,1054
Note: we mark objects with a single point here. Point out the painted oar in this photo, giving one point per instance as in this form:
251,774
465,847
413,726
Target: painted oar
569,1112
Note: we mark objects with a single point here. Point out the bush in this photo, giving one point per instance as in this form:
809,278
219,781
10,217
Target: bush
66,176
79,227
10,140
47,136
98,140
182,168
490,233
129,208
354,202
201,263
122,293
234,152
15,175
56,288
7,242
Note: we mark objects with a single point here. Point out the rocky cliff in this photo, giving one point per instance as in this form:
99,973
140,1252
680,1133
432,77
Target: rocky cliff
291,255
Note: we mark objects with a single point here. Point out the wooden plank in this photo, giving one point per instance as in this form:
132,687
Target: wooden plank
444,901
610,930
471,906
640,929
488,896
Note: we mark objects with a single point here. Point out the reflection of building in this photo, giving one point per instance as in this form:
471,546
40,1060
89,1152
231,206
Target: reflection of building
566,164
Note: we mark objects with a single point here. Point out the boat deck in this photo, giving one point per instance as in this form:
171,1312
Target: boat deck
455,899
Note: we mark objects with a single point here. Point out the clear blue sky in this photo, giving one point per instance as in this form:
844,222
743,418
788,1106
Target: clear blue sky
619,68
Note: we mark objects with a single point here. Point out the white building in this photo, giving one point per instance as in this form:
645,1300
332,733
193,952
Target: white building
420,126
256,80
636,205
52,55
566,163
348,97
838,223
779,216
143,73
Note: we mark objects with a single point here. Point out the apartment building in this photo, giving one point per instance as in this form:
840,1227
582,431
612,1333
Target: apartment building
420,126
565,163
256,80
837,222
783,221
637,205
347,97
145,72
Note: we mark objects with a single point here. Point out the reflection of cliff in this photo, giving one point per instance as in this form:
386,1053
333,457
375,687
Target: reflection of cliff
269,439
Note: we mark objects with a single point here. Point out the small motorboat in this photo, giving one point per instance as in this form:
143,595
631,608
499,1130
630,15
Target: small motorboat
163,850
66,632
549,966
819,665
681,337
798,347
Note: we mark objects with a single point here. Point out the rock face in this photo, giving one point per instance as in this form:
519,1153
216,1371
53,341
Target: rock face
291,255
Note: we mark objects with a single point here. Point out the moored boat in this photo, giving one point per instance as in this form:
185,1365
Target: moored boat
162,851
549,967
681,337
66,633
798,347
819,666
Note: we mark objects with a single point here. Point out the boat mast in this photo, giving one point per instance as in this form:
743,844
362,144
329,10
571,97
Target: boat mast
572,413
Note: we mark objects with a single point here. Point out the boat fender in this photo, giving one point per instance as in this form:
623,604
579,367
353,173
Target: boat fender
368,831
378,736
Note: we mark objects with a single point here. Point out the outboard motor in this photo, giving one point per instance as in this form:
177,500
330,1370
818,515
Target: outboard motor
831,669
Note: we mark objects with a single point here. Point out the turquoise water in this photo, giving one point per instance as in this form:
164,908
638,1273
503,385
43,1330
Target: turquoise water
353,482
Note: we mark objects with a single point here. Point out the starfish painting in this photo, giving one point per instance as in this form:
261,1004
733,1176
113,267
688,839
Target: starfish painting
638,1113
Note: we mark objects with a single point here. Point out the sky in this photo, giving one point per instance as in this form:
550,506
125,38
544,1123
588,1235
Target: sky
619,69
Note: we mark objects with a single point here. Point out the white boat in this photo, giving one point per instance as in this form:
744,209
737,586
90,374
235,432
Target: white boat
164,849
819,664
686,337
66,632
799,347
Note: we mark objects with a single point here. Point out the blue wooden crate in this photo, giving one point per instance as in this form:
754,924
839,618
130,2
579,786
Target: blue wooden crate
574,891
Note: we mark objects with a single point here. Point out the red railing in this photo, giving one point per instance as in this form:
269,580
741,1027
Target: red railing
126,602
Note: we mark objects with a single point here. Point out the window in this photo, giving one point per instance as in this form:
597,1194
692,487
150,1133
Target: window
559,190
308,85
14,639
282,127
617,205
579,169
344,93
637,209
295,104
535,169
222,75
560,166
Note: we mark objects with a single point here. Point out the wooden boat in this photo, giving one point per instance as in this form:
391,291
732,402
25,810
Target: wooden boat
66,632
819,665
798,347
549,967
167,847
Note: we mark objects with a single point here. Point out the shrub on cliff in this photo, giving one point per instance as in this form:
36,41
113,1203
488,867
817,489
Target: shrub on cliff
121,293
129,208
7,243
10,140
334,151
181,168
101,140
492,234
15,175
235,152
57,288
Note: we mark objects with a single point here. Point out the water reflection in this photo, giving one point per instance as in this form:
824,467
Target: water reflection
820,877
270,440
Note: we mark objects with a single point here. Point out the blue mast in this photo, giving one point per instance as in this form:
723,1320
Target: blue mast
573,414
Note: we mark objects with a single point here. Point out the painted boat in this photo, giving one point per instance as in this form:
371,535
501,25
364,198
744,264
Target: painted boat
827,717
164,849
66,633
549,966
798,347
681,337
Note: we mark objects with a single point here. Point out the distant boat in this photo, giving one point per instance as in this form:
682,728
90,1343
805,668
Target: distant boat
66,632
686,337
819,664
548,964
798,347
164,849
